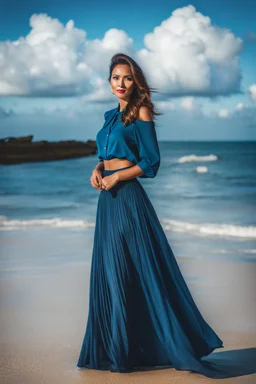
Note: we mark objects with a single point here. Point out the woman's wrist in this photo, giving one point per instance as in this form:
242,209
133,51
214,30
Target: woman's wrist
99,166
117,175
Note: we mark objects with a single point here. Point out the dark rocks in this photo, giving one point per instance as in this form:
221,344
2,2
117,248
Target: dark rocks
22,149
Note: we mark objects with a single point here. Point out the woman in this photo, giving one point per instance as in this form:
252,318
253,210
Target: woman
141,313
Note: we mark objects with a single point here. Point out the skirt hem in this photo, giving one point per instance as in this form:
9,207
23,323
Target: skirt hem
146,367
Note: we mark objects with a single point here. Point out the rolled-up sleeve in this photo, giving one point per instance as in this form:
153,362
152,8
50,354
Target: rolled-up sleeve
148,148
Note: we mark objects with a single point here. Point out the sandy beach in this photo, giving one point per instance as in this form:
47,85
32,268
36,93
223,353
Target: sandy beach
43,319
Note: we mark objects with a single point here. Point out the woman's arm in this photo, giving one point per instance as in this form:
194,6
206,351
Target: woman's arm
129,173
148,149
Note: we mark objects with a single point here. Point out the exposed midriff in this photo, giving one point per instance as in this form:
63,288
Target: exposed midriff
116,163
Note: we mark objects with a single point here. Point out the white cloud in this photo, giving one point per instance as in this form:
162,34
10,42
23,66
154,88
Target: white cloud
223,113
57,59
252,92
185,55
188,103
240,106
46,61
165,105
99,52
100,92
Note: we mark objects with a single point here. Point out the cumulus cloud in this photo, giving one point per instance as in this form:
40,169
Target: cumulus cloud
46,61
188,103
252,92
223,113
165,105
186,55
99,52
243,113
56,59
240,106
191,106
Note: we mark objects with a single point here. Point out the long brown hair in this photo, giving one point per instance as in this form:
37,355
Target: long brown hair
141,92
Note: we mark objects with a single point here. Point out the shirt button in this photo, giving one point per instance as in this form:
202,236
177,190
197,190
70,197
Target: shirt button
104,147
107,134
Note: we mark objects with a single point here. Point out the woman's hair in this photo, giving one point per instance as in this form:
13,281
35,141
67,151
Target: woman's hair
141,92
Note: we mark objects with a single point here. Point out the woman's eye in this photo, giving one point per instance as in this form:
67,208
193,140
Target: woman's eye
128,78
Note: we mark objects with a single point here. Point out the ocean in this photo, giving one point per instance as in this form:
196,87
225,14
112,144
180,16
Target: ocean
204,195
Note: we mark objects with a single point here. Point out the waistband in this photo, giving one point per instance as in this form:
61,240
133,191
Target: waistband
110,171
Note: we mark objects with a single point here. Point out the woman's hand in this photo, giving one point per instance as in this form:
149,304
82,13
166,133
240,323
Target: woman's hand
109,181
96,179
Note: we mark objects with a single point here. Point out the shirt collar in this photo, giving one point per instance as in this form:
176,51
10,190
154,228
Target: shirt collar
117,109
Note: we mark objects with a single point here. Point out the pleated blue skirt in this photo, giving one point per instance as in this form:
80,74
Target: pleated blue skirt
141,313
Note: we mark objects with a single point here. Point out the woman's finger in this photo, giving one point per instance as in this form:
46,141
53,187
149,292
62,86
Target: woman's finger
98,178
95,184
98,183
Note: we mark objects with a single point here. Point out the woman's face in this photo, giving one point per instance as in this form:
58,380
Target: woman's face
121,78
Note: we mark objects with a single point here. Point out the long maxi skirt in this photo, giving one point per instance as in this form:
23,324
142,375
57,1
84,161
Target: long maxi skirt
141,312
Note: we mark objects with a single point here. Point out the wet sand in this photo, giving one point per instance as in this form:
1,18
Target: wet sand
43,319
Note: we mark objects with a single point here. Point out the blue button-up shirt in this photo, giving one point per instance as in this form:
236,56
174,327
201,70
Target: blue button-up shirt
136,142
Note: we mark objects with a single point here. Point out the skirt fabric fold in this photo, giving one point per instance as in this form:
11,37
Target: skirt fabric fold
141,312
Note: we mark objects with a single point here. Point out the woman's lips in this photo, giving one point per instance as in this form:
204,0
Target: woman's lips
121,90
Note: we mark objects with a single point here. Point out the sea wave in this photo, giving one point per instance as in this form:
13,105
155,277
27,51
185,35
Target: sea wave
7,224
205,229
201,169
232,251
210,229
191,158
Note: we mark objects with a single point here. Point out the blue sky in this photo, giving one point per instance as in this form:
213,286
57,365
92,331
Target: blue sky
205,53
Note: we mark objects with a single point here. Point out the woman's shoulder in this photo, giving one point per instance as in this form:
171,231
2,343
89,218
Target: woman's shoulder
144,114
144,121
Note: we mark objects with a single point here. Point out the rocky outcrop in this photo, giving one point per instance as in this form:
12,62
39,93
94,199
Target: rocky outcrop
22,149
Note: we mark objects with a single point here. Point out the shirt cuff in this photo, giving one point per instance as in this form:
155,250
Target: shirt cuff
146,168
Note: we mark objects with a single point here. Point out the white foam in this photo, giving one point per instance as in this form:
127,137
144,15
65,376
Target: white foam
244,251
249,251
6,224
201,169
210,229
191,158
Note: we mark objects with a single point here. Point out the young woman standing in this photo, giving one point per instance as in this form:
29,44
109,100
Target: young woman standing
141,312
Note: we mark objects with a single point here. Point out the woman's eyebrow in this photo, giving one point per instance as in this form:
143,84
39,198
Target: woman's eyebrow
115,74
